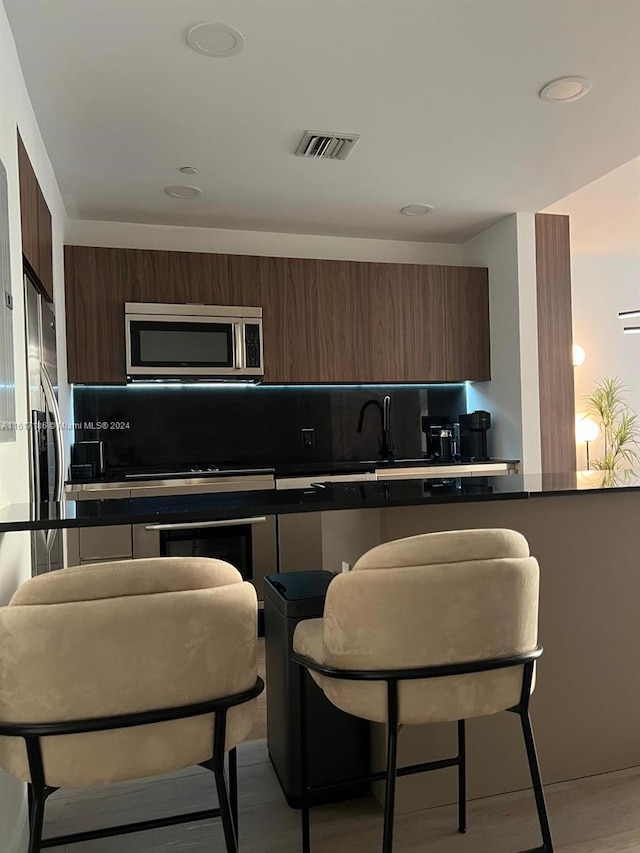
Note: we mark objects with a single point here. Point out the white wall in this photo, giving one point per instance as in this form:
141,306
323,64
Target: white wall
15,108
601,287
508,250
129,235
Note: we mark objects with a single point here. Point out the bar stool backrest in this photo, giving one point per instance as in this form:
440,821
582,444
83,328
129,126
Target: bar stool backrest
437,598
108,639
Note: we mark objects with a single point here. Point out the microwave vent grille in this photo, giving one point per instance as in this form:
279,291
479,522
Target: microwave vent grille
323,145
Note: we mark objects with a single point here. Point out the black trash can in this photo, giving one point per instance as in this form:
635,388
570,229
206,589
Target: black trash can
339,747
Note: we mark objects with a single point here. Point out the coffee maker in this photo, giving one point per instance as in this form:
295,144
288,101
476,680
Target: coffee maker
442,438
473,436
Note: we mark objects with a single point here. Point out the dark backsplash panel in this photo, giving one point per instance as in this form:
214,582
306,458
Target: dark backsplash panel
184,425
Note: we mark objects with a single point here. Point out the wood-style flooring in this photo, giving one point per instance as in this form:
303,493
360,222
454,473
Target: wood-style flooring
600,814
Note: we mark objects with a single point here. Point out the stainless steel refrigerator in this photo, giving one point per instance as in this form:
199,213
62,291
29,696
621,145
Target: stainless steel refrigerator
46,445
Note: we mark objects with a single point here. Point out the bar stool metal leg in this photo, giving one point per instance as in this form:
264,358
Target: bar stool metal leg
233,785
228,826
462,777
392,760
37,794
304,764
536,779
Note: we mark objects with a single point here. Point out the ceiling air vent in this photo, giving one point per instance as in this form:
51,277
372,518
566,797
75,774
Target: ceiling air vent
328,146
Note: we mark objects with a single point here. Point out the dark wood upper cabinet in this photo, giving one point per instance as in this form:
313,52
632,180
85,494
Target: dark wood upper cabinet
291,320
35,221
28,207
466,324
45,247
323,321
97,283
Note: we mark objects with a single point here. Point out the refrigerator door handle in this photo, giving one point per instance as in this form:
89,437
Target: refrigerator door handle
52,405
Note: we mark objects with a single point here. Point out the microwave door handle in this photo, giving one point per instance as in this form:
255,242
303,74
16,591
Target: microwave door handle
192,525
238,329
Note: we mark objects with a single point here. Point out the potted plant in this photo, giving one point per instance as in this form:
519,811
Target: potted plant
619,428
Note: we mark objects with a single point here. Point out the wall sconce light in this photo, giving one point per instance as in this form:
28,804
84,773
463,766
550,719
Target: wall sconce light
629,315
586,430
578,355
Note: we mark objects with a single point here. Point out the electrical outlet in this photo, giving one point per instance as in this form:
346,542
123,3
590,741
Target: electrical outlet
308,438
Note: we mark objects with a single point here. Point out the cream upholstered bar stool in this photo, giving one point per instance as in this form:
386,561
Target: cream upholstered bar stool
433,628
125,670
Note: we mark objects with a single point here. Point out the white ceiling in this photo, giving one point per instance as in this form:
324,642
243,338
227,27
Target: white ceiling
605,215
444,94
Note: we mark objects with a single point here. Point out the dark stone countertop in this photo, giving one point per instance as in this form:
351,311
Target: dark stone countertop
332,496
286,469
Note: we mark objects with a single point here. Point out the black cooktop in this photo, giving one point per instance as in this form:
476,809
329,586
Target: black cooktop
207,469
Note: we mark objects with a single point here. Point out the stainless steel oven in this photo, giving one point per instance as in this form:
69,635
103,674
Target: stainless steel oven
247,543
202,342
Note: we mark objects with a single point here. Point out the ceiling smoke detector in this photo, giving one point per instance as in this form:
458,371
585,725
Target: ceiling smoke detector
323,145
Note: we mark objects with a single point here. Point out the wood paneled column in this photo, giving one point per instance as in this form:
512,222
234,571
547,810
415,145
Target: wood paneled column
555,338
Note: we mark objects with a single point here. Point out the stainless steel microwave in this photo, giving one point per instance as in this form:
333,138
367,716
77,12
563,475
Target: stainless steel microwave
201,342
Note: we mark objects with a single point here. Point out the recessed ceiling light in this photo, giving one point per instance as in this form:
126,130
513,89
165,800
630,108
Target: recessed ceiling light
629,314
416,209
215,40
183,192
188,170
565,89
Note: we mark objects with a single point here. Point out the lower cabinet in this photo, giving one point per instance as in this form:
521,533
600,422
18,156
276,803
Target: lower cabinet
300,542
98,544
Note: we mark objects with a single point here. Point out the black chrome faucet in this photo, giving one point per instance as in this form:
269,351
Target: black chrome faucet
386,442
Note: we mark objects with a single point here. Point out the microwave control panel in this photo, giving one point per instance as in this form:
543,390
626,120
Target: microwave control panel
252,344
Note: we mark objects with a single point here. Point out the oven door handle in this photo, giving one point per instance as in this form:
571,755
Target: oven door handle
224,522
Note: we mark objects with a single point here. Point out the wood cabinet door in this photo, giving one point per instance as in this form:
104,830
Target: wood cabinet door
45,247
28,208
175,277
407,322
35,222
342,321
96,282
244,278
466,329
290,309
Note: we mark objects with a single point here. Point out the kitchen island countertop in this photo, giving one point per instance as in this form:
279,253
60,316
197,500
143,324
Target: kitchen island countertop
319,498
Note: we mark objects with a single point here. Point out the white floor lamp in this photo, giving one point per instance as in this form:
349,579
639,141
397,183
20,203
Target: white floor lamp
586,430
